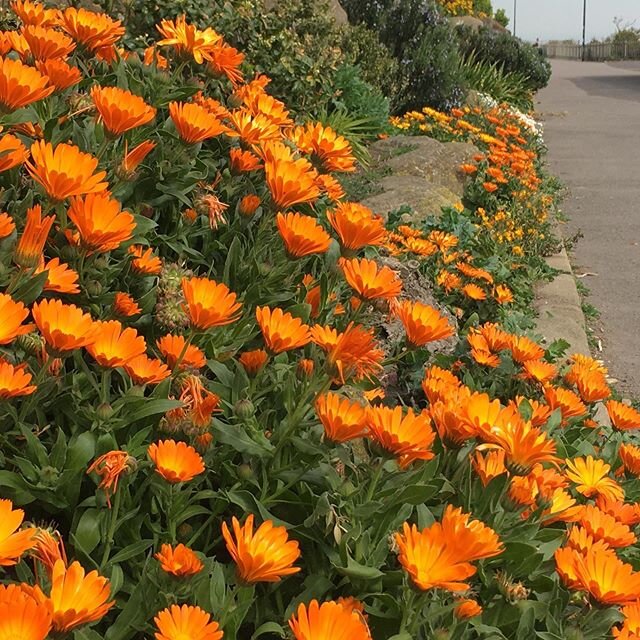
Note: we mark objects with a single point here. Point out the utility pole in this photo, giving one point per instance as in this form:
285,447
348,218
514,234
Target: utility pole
584,30
515,14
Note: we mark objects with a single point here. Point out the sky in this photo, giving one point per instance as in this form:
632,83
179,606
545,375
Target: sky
562,19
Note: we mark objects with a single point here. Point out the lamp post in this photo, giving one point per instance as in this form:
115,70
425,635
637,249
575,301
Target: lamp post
515,14
584,30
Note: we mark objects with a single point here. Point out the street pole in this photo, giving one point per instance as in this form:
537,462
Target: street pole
584,30
515,14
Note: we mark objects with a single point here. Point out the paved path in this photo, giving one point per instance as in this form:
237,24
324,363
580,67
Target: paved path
592,127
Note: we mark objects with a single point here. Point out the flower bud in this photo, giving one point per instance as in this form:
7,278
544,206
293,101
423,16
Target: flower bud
31,343
245,472
244,409
49,476
104,411
93,288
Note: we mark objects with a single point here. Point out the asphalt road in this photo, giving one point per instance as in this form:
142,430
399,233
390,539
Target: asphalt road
591,115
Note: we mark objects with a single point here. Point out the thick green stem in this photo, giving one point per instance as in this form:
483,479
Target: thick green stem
113,523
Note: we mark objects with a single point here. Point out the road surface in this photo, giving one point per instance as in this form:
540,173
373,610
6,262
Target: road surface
591,114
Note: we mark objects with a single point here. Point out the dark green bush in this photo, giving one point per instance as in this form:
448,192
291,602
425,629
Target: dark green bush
511,53
423,44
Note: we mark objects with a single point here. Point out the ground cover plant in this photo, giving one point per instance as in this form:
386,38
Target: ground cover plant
205,432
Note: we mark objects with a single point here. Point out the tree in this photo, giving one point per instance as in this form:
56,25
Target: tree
501,17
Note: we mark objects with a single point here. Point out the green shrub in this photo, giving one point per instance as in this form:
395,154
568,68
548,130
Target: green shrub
501,17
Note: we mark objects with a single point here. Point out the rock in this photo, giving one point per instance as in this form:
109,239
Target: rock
425,175
467,21
334,7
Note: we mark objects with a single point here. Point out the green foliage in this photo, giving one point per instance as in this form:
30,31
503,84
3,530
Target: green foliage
482,6
501,17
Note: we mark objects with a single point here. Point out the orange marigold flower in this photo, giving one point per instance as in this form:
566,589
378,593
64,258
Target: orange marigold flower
524,349
624,512
485,358
109,467
592,386
331,151
47,44
266,555
622,416
244,161
144,261
291,182
28,251
177,352
194,123
539,370
177,623
302,235
281,331
474,292
120,110
187,38
503,294
489,466
591,477
176,461
64,327
13,315
94,31
490,186
125,305
179,561
467,608
329,620
603,526
370,281
422,323
65,171
209,303
448,417
330,187
22,615
60,73
468,168
474,272
12,152
410,436
630,456
100,222
145,370
14,381
34,13
133,158
61,278
342,419
21,85
568,402
13,543
253,361
481,413
256,129
536,412
225,60
113,346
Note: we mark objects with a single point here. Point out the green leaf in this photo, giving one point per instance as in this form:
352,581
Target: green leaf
81,449
359,571
87,533
86,634
268,627
131,551
29,291
15,488
217,588
151,408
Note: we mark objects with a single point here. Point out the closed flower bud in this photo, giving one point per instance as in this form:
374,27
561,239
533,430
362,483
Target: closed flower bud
248,205
245,472
104,411
244,409
49,476
441,634
93,288
136,391
68,253
264,268
31,343
305,368
171,276
170,314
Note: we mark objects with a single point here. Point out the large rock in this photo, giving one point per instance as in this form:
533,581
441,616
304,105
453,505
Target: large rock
424,175
335,9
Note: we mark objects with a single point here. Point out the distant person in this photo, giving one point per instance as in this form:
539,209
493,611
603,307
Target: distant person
536,44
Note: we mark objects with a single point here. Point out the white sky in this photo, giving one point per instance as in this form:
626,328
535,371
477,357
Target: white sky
562,19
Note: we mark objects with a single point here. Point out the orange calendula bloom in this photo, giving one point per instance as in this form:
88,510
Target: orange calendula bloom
602,526
65,171
179,561
591,477
176,461
48,549
356,226
145,370
291,181
13,543
194,123
467,608
133,158
624,512
331,151
174,348
249,205
342,419
568,402
22,616
244,161
113,346
302,235
12,152
622,416
101,224
503,294
266,555
474,292
109,467
370,281
408,436
60,73
209,303
125,305
34,13
539,370
329,620
253,361
121,110
281,331
95,31
144,261
21,85
14,381
630,456
64,327
13,314
28,251
47,44
61,278
225,61
422,323
592,386
488,466
178,623
524,349
188,39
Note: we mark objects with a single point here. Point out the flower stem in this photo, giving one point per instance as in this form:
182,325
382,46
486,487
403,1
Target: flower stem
112,528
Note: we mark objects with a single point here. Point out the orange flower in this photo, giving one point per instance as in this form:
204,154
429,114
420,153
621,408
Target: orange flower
109,467
177,623
34,13
60,73
194,123
356,226
591,478
466,608
64,171
244,161
490,186
20,85
489,466
12,152
353,352
48,549
503,294
410,436
14,381
13,315
266,555
175,348
113,346
370,281
120,110
630,456
622,416
305,368
176,461
328,621
209,304
626,513
144,262
257,129
47,44
13,543
481,413
592,386
330,187
187,39
342,419
94,31
248,205
101,224
449,419
474,292
63,326
302,235
28,251
331,151
523,349
124,305
539,370
253,361
145,370
602,526
133,158
280,330
422,323
7,225
568,402
179,561
21,615
225,60
60,277
290,182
